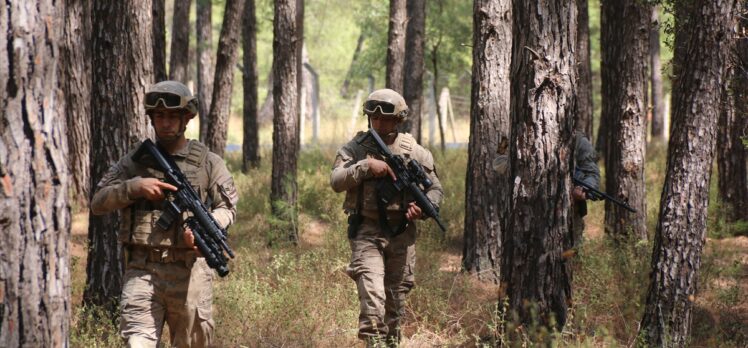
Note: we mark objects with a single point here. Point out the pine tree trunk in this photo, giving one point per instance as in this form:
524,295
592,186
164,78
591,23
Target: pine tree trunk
701,53
413,83
180,41
655,71
251,143
583,115
283,187
542,107
624,41
158,14
396,45
733,125
122,56
75,81
204,62
228,48
34,211
489,130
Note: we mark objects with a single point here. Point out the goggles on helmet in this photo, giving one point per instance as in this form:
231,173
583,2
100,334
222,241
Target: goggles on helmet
168,100
385,108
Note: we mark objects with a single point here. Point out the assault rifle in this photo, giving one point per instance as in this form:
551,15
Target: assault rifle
210,237
596,195
409,177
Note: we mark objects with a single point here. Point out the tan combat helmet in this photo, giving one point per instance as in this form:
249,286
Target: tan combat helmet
387,102
170,95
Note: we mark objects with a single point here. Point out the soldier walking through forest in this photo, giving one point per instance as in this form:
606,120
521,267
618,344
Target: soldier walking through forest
165,279
382,239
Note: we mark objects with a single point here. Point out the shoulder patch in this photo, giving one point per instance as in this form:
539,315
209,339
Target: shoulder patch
406,143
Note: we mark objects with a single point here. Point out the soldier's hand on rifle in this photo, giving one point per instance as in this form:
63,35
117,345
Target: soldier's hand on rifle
151,189
379,168
414,212
189,239
578,193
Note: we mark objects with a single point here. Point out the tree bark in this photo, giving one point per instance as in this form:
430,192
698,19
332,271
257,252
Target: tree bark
158,13
655,71
583,114
286,39
75,81
396,45
733,126
228,47
251,143
204,62
180,41
413,83
489,133
701,51
122,56
541,155
624,41
34,210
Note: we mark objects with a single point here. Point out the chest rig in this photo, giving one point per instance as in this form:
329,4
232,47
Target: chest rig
364,201
139,219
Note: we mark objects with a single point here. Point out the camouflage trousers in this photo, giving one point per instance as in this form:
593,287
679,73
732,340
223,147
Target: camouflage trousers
179,293
382,268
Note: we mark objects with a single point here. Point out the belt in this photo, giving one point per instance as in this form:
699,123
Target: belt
162,255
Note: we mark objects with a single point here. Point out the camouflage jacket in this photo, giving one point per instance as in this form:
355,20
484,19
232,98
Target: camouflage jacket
351,170
205,170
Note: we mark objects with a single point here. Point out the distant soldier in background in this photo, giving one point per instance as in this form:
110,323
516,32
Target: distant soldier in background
585,169
165,278
382,243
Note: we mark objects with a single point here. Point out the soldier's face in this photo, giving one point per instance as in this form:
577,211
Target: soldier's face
169,124
384,125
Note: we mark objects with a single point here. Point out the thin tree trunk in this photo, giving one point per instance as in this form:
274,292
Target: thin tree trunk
315,102
122,56
583,115
413,84
34,210
75,80
624,41
228,47
655,71
204,62
733,125
489,129
396,45
180,41
349,74
702,40
283,185
158,13
543,84
251,143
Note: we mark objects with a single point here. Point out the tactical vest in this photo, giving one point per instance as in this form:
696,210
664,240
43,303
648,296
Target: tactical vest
406,146
139,219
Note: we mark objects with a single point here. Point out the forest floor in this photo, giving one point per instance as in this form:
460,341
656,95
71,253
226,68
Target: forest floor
298,296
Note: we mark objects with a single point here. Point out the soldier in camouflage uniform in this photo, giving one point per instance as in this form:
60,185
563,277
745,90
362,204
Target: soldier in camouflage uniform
585,169
165,278
382,260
